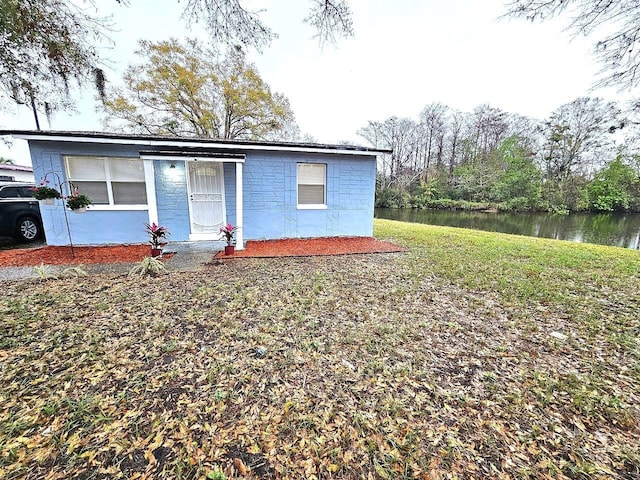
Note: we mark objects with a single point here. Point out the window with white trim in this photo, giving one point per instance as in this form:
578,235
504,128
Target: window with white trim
312,182
108,180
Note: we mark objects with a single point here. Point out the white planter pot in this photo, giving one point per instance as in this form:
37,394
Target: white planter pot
48,201
80,210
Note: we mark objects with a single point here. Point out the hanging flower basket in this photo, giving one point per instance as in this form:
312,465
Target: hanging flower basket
45,193
78,202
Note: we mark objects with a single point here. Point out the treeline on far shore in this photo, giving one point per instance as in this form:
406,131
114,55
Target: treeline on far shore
584,157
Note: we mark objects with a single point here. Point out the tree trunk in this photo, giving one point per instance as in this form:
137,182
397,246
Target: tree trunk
35,111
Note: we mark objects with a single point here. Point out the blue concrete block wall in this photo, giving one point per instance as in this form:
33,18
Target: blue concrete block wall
270,197
229,172
172,198
96,226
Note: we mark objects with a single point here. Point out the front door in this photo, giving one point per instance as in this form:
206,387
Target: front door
206,199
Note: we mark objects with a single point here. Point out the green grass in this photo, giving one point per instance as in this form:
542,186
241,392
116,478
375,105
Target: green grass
598,286
516,266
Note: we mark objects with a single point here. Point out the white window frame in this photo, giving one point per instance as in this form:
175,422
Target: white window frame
112,205
311,206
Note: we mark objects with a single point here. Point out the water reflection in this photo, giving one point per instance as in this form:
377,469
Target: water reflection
620,230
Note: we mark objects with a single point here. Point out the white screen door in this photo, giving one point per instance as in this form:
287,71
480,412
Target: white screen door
206,198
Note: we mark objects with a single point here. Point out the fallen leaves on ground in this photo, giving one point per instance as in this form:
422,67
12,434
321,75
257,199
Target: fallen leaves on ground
321,367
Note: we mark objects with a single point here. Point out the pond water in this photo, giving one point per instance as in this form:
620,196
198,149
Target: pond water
620,230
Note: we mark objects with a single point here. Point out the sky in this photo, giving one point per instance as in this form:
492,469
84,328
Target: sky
405,54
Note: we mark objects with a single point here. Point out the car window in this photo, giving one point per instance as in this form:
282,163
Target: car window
19,191
10,192
25,192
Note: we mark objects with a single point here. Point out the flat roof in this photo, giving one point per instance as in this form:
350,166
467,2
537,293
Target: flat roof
15,168
189,142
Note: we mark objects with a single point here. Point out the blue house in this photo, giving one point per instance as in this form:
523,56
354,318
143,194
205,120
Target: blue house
193,186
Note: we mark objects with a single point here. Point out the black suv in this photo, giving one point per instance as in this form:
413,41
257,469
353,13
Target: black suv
19,212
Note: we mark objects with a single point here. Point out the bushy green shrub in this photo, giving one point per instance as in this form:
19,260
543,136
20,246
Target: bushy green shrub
613,187
521,204
392,198
448,204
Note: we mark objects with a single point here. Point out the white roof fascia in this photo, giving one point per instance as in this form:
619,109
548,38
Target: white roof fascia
191,143
193,158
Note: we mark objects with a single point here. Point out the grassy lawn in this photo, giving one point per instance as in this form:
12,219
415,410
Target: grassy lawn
473,355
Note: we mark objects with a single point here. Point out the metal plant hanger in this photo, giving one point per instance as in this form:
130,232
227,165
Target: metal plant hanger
71,188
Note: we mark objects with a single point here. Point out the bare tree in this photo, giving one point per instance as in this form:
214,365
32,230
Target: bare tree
433,127
331,18
229,22
399,135
488,127
577,137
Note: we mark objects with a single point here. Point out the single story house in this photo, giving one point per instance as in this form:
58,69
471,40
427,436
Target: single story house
15,173
193,186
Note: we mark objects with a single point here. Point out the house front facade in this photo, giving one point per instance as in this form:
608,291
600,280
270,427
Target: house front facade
194,186
15,173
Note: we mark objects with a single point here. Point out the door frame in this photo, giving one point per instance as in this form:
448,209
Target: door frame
220,166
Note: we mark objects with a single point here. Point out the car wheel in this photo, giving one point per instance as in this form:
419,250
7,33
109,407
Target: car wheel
27,230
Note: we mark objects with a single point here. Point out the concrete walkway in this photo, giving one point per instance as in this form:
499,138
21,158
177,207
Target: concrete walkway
191,255
187,256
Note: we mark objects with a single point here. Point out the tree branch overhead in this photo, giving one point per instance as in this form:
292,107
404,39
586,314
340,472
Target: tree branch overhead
618,49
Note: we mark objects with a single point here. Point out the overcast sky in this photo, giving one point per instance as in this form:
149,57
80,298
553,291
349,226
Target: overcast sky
404,55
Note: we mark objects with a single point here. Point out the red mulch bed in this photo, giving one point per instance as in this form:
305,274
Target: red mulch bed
305,247
29,257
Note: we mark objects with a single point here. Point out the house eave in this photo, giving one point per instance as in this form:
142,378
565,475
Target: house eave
179,156
177,142
16,168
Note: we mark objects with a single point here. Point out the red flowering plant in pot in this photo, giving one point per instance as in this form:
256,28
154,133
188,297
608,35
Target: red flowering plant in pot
157,237
228,232
46,194
78,202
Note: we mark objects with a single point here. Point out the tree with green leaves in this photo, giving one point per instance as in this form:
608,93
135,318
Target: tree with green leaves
190,90
615,187
519,181
617,21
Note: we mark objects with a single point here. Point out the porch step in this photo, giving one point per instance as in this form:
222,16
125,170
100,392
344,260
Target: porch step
208,246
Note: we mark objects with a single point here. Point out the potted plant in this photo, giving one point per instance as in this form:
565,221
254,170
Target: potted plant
44,193
227,233
157,235
78,202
